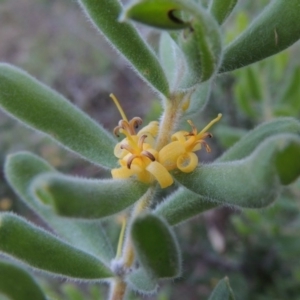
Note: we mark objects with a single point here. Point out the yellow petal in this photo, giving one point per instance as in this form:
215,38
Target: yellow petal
169,154
160,173
122,173
187,162
151,128
119,152
179,136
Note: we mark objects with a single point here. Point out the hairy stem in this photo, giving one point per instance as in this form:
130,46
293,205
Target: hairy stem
117,289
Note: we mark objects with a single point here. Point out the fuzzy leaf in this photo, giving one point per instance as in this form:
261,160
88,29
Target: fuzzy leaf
17,284
221,9
156,247
182,205
86,198
20,170
31,102
42,250
126,39
275,29
252,182
163,14
202,46
172,59
222,291
246,145
140,281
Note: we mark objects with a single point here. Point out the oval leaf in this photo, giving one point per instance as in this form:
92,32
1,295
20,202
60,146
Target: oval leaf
17,284
221,9
155,246
222,291
275,29
41,108
86,198
20,171
246,145
253,182
163,14
126,39
140,281
42,250
183,205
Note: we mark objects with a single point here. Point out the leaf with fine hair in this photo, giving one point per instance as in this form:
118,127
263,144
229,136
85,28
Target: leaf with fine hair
252,182
43,251
39,107
221,9
20,170
156,246
182,205
222,291
126,39
163,14
275,29
17,284
142,282
247,144
86,198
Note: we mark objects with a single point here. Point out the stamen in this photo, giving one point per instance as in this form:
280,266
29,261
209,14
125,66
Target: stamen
210,124
126,147
207,148
141,141
136,122
194,129
121,111
130,160
148,154
116,131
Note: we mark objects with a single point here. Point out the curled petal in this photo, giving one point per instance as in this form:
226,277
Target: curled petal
122,173
187,162
180,136
151,128
120,152
169,154
160,173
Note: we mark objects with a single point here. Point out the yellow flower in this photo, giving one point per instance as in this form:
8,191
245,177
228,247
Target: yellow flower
136,153
180,152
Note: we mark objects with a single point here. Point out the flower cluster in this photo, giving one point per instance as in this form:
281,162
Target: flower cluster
138,157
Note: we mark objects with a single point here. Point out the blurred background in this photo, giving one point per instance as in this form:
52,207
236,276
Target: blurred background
258,250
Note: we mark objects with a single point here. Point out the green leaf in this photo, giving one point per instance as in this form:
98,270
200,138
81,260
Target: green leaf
221,9
202,46
20,170
31,102
126,39
288,166
86,198
246,145
222,291
139,280
275,29
227,136
199,98
172,60
42,250
17,284
252,182
156,247
291,91
163,14
182,205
